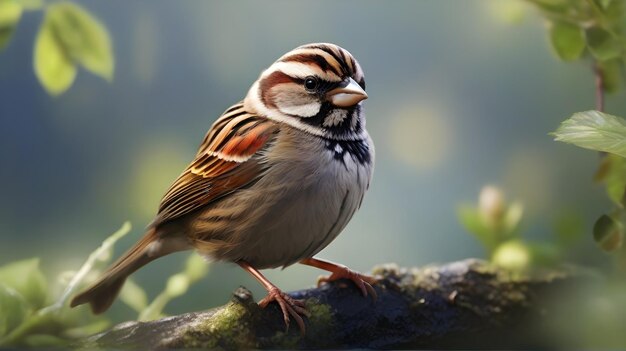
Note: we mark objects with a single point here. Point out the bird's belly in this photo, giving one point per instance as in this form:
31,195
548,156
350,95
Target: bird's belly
285,222
300,226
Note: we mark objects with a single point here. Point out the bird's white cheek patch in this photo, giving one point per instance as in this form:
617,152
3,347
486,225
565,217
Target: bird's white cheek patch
307,110
297,104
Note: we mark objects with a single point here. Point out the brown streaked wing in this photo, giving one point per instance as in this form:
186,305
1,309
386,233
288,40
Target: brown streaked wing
225,163
219,124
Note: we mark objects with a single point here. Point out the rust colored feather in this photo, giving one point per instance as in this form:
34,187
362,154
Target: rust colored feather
228,160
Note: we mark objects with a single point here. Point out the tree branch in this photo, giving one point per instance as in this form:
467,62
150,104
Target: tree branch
468,304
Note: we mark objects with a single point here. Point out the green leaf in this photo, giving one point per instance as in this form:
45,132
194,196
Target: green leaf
53,67
155,308
603,170
551,6
196,267
44,340
616,179
134,296
10,14
177,285
512,217
568,40
608,233
83,37
30,4
513,255
26,278
611,74
614,12
84,331
602,44
594,130
13,309
473,222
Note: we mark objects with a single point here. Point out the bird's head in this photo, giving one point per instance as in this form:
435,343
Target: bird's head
317,88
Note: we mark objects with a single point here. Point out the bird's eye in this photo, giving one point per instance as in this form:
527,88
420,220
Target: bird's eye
310,83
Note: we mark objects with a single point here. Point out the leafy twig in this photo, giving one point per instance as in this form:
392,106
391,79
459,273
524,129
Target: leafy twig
50,315
103,251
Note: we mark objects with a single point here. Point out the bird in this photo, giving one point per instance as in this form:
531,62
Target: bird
275,180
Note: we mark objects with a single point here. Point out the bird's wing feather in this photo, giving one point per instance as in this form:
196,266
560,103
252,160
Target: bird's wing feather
224,163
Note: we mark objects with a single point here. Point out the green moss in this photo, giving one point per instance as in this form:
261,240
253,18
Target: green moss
321,315
227,328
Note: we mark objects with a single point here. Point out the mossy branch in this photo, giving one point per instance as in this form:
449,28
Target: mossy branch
467,304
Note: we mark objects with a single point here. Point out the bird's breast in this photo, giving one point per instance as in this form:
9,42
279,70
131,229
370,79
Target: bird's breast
311,189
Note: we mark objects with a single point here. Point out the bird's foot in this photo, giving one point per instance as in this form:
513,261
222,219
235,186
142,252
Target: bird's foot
289,306
362,281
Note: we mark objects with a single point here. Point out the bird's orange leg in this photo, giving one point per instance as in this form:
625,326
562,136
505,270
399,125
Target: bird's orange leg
338,271
289,306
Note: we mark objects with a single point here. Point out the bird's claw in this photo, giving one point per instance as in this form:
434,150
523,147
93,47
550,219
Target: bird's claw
362,281
288,305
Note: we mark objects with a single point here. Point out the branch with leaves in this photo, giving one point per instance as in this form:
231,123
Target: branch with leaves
31,315
69,37
496,224
593,30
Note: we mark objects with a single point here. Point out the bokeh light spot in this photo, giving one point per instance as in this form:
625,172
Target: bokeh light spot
157,164
420,136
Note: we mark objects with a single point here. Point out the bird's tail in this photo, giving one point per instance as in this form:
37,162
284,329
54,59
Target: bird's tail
102,293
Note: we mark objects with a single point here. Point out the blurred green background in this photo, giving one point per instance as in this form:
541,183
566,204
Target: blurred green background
462,94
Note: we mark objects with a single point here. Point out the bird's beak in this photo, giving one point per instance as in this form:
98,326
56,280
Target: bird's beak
349,93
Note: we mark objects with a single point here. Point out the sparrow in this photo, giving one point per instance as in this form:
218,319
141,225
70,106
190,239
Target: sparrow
277,177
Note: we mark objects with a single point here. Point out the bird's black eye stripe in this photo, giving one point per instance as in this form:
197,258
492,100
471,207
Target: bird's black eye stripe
326,85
